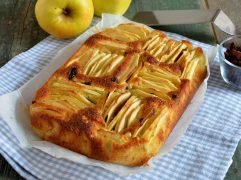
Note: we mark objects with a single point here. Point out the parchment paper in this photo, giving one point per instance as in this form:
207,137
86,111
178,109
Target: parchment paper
14,107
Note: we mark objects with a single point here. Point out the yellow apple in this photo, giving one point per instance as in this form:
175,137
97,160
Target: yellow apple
64,18
111,6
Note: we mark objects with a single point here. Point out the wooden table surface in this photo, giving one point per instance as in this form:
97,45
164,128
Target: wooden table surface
19,31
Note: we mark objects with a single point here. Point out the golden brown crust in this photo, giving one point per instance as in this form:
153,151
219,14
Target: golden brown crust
120,95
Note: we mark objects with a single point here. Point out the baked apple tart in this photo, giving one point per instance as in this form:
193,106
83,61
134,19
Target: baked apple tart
120,95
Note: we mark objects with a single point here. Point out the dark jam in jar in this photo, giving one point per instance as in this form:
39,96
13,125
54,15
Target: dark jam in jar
233,54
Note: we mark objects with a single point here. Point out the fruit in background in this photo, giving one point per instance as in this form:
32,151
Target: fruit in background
64,18
111,6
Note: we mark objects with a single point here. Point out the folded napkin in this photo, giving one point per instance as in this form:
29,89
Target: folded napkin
204,152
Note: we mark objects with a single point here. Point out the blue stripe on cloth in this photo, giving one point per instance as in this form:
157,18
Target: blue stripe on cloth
204,152
17,168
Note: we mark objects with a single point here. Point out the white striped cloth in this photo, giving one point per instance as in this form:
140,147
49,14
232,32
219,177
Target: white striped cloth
204,152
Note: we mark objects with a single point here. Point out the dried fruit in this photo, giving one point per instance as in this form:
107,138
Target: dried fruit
72,73
233,54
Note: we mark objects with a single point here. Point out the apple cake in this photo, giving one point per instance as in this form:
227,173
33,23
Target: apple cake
120,95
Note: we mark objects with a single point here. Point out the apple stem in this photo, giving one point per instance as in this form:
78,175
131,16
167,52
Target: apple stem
66,11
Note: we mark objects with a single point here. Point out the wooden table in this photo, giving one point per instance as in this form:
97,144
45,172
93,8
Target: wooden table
19,31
